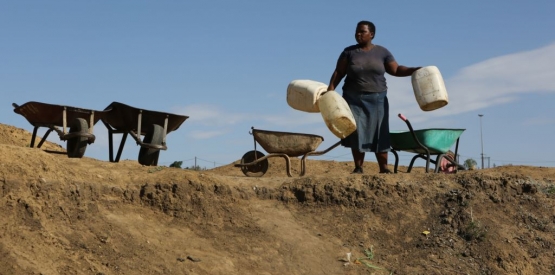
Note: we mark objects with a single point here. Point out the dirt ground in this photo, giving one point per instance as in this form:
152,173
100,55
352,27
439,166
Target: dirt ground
60,215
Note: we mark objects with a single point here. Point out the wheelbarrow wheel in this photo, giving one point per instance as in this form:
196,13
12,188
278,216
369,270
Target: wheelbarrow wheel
76,146
154,136
255,170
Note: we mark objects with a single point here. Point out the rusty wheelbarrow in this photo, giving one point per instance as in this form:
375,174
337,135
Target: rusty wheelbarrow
154,125
79,121
280,144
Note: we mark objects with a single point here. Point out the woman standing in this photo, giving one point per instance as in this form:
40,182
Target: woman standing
365,90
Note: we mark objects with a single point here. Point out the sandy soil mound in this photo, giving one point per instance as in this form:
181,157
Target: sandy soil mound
16,136
85,216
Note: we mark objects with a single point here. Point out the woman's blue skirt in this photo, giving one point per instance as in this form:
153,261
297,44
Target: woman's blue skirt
371,113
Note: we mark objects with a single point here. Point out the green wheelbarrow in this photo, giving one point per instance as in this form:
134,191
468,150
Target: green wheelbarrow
427,143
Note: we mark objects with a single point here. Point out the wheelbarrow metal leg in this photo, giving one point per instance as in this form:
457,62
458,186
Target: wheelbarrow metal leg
122,143
110,141
395,168
412,163
287,164
427,160
111,133
303,165
422,156
34,136
457,156
44,138
317,153
438,162
110,145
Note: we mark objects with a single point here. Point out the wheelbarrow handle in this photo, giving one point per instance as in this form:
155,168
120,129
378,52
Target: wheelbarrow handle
413,134
405,119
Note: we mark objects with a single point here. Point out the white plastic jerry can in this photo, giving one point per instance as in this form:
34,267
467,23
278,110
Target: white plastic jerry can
336,114
303,95
429,88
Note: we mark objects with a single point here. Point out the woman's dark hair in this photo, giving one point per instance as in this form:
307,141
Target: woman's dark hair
370,25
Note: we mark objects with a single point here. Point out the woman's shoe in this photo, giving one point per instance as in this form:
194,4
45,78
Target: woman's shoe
386,172
358,170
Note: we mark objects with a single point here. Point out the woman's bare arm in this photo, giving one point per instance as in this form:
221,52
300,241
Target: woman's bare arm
338,74
395,69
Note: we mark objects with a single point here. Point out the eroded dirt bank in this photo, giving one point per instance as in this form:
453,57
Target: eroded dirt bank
85,216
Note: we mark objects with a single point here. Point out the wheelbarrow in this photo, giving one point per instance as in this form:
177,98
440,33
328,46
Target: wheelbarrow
153,125
79,121
280,144
426,143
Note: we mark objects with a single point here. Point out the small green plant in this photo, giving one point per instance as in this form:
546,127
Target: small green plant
470,164
369,255
550,189
474,231
176,164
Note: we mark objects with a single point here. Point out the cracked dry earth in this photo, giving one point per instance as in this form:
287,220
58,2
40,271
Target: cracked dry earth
60,215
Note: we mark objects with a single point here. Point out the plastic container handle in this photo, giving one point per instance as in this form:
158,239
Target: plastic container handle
401,116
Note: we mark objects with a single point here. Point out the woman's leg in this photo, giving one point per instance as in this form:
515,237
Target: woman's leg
382,161
358,157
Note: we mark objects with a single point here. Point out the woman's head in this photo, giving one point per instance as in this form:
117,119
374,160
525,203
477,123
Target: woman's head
365,32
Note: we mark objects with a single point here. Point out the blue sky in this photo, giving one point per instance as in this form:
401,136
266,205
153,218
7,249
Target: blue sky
227,64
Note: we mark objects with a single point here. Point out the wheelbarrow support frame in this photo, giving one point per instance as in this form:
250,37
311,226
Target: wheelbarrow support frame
136,136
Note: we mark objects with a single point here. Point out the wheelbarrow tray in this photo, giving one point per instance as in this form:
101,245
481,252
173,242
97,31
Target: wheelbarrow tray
43,114
292,144
437,140
124,118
